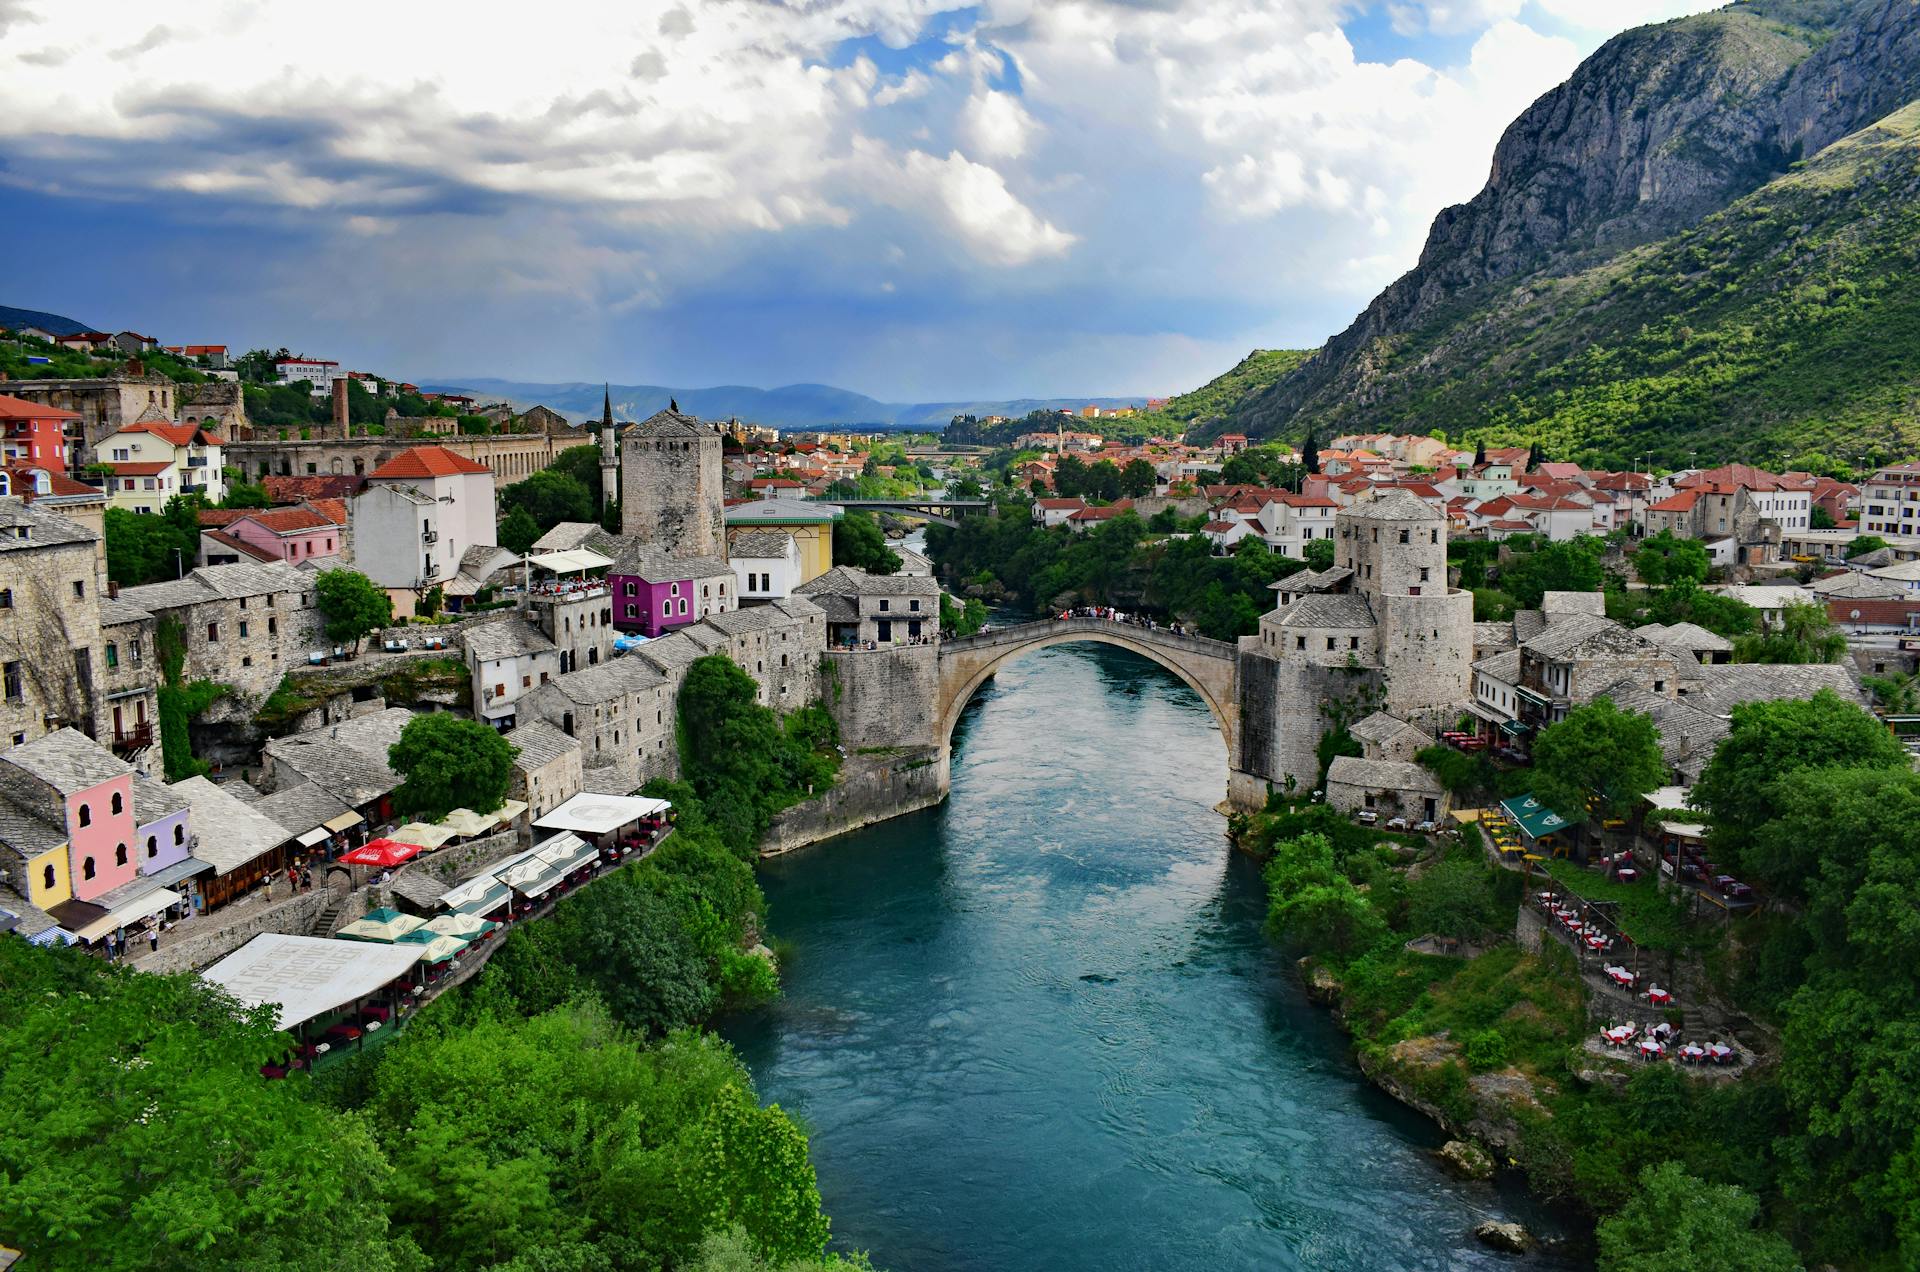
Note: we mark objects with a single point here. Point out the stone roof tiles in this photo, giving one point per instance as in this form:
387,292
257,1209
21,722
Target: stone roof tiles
540,744
23,526
1393,504
510,638
761,545
301,808
67,760
234,832
1386,775
1329,609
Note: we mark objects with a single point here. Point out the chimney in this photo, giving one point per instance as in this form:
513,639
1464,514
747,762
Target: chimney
340,417
113,591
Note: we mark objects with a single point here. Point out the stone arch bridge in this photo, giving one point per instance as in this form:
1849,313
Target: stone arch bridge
1209,667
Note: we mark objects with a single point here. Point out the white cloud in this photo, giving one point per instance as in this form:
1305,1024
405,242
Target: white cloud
974,201
1451,17
1618,15
995,125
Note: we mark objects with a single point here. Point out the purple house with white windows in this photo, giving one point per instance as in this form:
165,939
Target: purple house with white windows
654,593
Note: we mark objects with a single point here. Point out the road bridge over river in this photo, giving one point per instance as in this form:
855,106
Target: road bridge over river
1209,667
927,507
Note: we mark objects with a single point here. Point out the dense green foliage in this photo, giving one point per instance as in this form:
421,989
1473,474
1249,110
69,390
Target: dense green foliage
549,497
447,762
1662,559
519,530
858,541
353,605
137,1133
1802,634
1783,329
742,759
147,549
1118,563
1598,759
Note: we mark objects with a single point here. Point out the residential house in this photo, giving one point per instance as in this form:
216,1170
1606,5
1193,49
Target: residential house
810,524
67,779
294,535
132,343
766,565
163,834
1388,788
130,683
318,373
426,507
34,433
153,461
655,592
347,760
36,866
621,713
508,659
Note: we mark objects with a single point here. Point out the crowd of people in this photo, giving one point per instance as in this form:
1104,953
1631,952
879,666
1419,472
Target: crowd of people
1108,614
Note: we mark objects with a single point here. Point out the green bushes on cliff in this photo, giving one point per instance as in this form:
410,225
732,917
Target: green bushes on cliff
743,760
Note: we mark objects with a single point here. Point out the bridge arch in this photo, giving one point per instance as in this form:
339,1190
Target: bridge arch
1208,667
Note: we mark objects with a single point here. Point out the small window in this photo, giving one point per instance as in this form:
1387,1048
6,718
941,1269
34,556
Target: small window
86,815
113,655
119,802
213,631
47,877
86,869
179,834
79,589
243,629
6,598
153,846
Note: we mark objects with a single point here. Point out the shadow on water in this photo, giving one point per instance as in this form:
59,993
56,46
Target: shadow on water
1039,1026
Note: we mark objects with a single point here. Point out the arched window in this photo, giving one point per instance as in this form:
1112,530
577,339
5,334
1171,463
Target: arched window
179,834
119,802
153,846
47,878
86,868
86,817
119,854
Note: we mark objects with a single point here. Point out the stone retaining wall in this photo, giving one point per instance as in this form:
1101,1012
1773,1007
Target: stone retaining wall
206,939
871,789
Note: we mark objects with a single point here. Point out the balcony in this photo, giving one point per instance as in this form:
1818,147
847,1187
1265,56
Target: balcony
429,536
196,461
135,738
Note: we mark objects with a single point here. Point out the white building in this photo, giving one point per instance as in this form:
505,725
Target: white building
153,461
1890,501
315,371
766,564
421,511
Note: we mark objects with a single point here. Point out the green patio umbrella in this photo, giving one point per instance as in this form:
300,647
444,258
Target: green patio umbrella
384,925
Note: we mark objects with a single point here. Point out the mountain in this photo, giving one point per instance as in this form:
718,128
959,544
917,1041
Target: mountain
790,406
14,319
1703,241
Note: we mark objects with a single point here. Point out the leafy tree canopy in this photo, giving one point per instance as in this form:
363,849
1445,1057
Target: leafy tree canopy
450,763
550,496
1678,1223
1598,756
1662,558
858,541
353,605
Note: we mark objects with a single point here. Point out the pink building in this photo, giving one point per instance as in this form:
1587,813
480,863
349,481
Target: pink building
71,780
291,534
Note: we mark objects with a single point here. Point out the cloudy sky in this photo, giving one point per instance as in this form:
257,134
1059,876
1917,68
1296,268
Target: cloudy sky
916,199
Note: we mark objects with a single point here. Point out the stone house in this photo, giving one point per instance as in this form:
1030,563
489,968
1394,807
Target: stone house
872,609
243,625
51,647
347,760
508,659
655,592
1391,788
242,845
622,715
102,405
548,771
1578,655
1384,737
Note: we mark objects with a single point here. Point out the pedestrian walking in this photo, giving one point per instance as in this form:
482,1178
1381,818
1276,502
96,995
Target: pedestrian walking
269,885
153,938
306,879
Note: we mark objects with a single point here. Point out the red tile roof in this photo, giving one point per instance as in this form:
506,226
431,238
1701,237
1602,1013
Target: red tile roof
240,545
25,475
1682,502
284,490
176,434
428,461
219,518
289,520
334,510
145,468
13,408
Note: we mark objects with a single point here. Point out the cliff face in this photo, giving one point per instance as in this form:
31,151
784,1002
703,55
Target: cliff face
1660,128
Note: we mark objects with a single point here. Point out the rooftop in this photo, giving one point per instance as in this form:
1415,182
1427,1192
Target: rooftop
428,461
67,760
233,831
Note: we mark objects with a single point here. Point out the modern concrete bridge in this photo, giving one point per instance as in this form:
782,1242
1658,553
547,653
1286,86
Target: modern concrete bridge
1207,666
927,507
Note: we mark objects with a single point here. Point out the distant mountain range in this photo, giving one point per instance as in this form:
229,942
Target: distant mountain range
789,406
14,319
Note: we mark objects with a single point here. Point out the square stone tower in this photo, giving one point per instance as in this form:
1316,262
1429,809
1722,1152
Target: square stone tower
1396,546
672,491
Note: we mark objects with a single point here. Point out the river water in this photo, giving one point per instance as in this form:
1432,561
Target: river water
1039,1027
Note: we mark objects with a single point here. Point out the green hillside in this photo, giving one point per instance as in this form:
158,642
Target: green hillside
1219,397
1782,329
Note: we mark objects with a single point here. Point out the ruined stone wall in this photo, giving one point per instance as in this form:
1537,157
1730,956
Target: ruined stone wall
512,457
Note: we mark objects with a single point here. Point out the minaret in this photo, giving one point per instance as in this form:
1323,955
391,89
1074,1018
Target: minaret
609,457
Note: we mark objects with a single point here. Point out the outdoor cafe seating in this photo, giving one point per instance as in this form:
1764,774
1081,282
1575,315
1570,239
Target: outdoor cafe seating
1658,996
1652,1048
1619,976
1619,1035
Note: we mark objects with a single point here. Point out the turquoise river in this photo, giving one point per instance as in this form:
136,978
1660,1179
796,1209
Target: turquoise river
1039,1027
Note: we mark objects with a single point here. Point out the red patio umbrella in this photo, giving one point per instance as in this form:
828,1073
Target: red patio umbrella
381,852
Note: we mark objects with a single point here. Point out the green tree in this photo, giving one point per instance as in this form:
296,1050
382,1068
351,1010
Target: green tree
582,463
1455,897
1864,544
1767,741
550,497
631,946
1070,477
962,620
1686,602
1137,479
1315,906
1664,559
1598,758
139,1135
1678,1223
1569,566
1310,453
1803,634
1319,554
1821,519
858,541
352,604
447,763
518,531
739,759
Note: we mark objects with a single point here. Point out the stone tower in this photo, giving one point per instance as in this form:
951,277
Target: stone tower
1396,546
609,453
671,484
